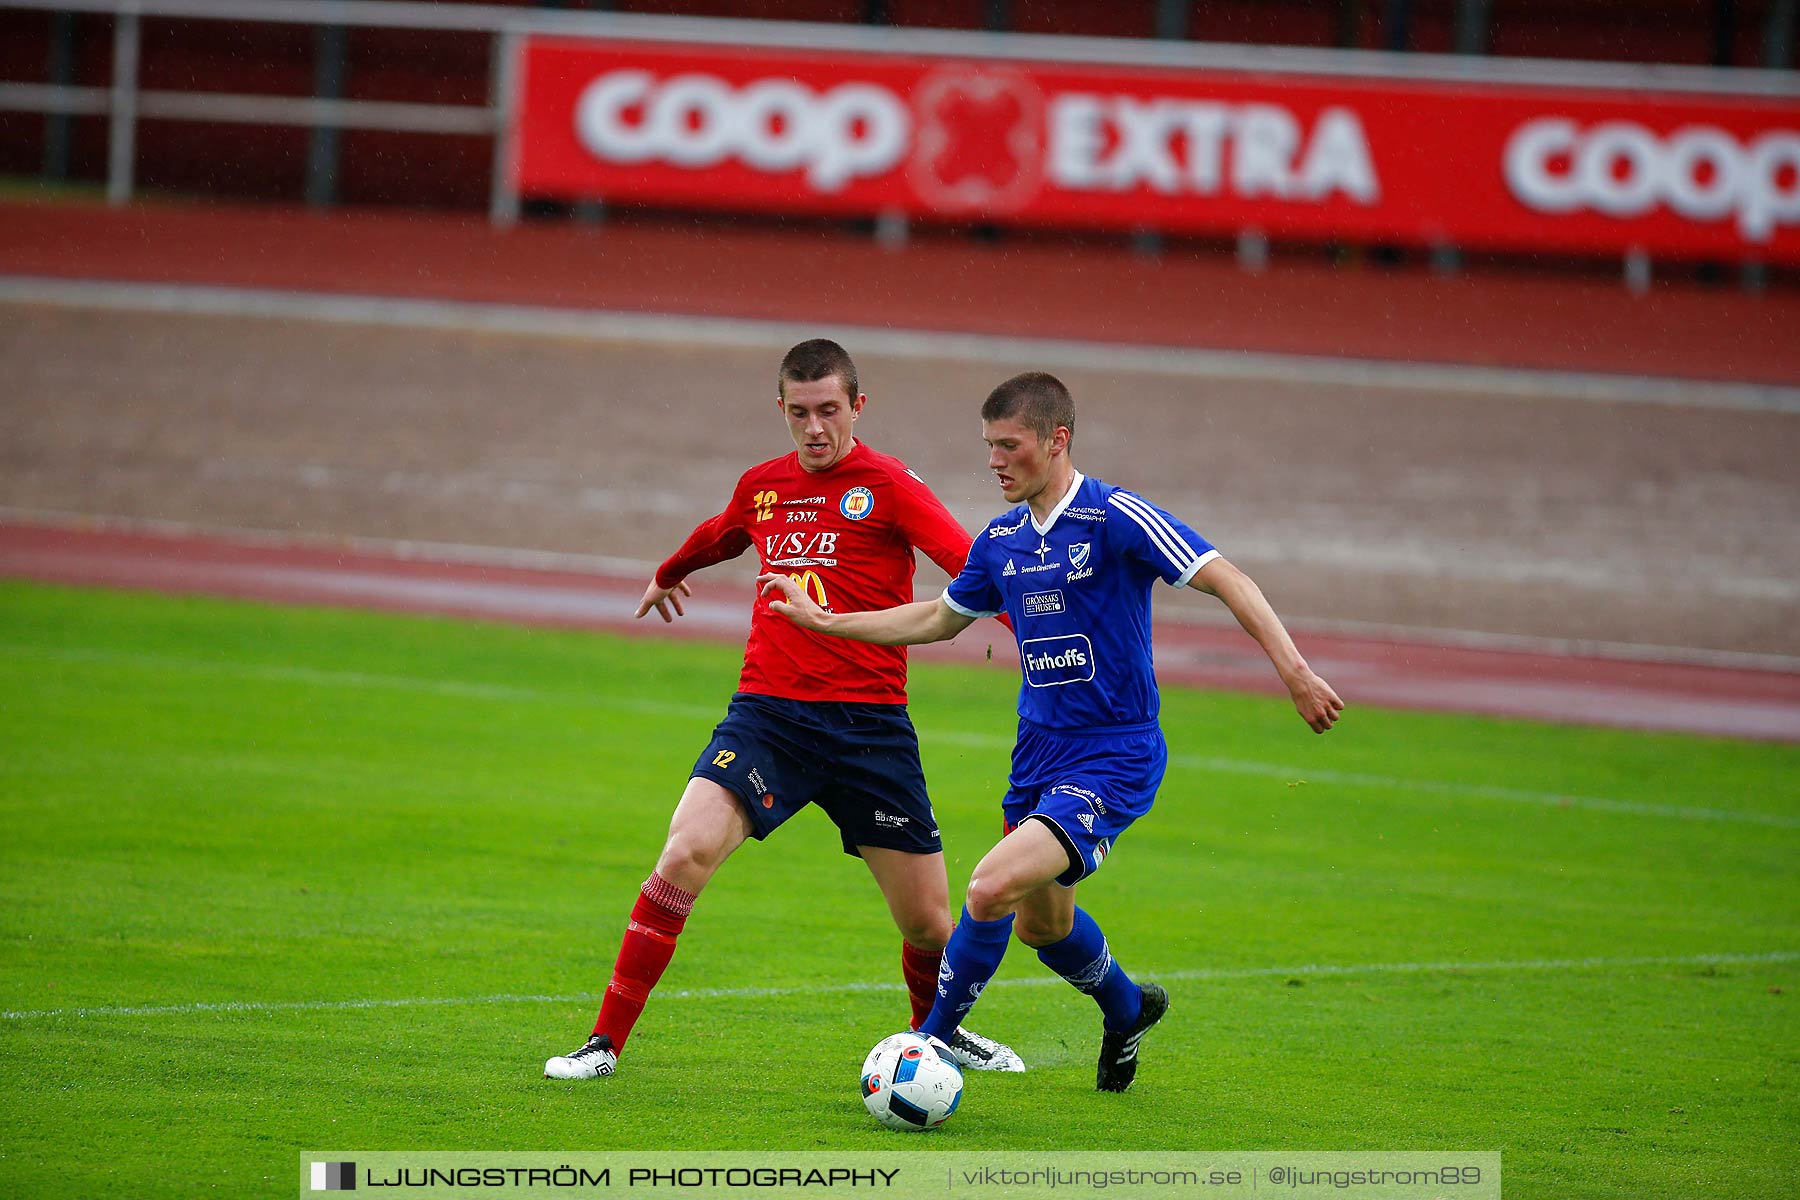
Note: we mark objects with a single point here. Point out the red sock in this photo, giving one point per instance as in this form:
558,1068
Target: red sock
656,920
921,970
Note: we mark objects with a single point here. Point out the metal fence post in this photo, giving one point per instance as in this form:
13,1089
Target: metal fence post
503,103
1172,18
122,145
1397,25
1778,35
1474,23
331,46
61,74
1724,32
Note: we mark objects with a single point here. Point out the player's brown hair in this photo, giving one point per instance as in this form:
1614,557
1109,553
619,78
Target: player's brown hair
1036,400
819,358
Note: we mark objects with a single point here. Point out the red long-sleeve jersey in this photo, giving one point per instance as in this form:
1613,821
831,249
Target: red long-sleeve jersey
847,536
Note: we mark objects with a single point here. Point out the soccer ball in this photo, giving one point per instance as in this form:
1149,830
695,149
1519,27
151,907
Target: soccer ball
910,1082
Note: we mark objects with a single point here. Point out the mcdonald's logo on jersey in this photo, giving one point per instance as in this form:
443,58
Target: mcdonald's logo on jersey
813,586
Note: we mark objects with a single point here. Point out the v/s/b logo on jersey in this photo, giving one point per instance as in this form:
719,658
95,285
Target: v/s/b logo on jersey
801,549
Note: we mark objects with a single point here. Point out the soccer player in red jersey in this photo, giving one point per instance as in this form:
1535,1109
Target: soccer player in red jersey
815,720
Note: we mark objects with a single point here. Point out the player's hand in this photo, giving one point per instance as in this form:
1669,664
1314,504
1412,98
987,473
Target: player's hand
662,599
791,602
1314,700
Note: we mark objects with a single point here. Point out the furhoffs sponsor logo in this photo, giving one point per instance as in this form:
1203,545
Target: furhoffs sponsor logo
1054,661
334,1177
1067,658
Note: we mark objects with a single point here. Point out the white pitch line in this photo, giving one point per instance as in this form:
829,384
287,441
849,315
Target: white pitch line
984,349
1641,808
928,735
1329,970
404,549
1392,783
281,673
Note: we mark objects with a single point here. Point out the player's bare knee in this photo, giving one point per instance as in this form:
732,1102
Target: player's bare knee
924,922
688,862
930,934
990,898
1038,931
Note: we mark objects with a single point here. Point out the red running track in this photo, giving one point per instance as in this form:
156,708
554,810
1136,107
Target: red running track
1727,701
1014,287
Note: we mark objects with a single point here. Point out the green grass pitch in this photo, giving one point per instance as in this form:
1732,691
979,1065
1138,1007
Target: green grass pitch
277,879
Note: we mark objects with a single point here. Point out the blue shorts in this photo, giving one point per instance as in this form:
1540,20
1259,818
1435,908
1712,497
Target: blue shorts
1087,785
857,762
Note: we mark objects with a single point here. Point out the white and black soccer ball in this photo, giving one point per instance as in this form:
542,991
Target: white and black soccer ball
910,1082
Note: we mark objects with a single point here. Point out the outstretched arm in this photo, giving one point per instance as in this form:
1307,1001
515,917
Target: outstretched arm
662,599
713,541
903,625
1316,703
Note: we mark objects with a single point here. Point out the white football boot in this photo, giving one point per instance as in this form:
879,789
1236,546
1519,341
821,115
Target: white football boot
972,1052
590,1062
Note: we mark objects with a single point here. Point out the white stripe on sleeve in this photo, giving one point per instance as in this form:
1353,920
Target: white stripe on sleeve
1181,556
1195,569
967,612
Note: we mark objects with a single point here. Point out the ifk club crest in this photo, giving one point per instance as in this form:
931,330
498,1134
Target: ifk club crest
857,503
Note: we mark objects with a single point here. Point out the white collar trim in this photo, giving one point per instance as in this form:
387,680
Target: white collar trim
1060,505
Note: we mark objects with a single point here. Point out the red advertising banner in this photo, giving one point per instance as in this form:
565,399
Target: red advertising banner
1092,146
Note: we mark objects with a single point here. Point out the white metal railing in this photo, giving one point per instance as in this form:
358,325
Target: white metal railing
125,103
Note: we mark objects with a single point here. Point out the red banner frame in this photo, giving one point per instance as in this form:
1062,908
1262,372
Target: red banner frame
1098,146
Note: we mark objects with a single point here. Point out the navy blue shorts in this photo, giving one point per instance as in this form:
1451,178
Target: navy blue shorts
858,762
1088,786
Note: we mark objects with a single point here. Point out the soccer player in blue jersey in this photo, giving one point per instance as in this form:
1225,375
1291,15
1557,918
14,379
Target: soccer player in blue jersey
1073,564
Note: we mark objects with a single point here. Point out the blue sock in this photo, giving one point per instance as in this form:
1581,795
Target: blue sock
970,960
1084,959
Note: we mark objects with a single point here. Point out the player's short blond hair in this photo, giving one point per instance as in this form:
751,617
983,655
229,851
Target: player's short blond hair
820,358
1036,400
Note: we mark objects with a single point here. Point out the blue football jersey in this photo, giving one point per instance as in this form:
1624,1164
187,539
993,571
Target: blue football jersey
1078,591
